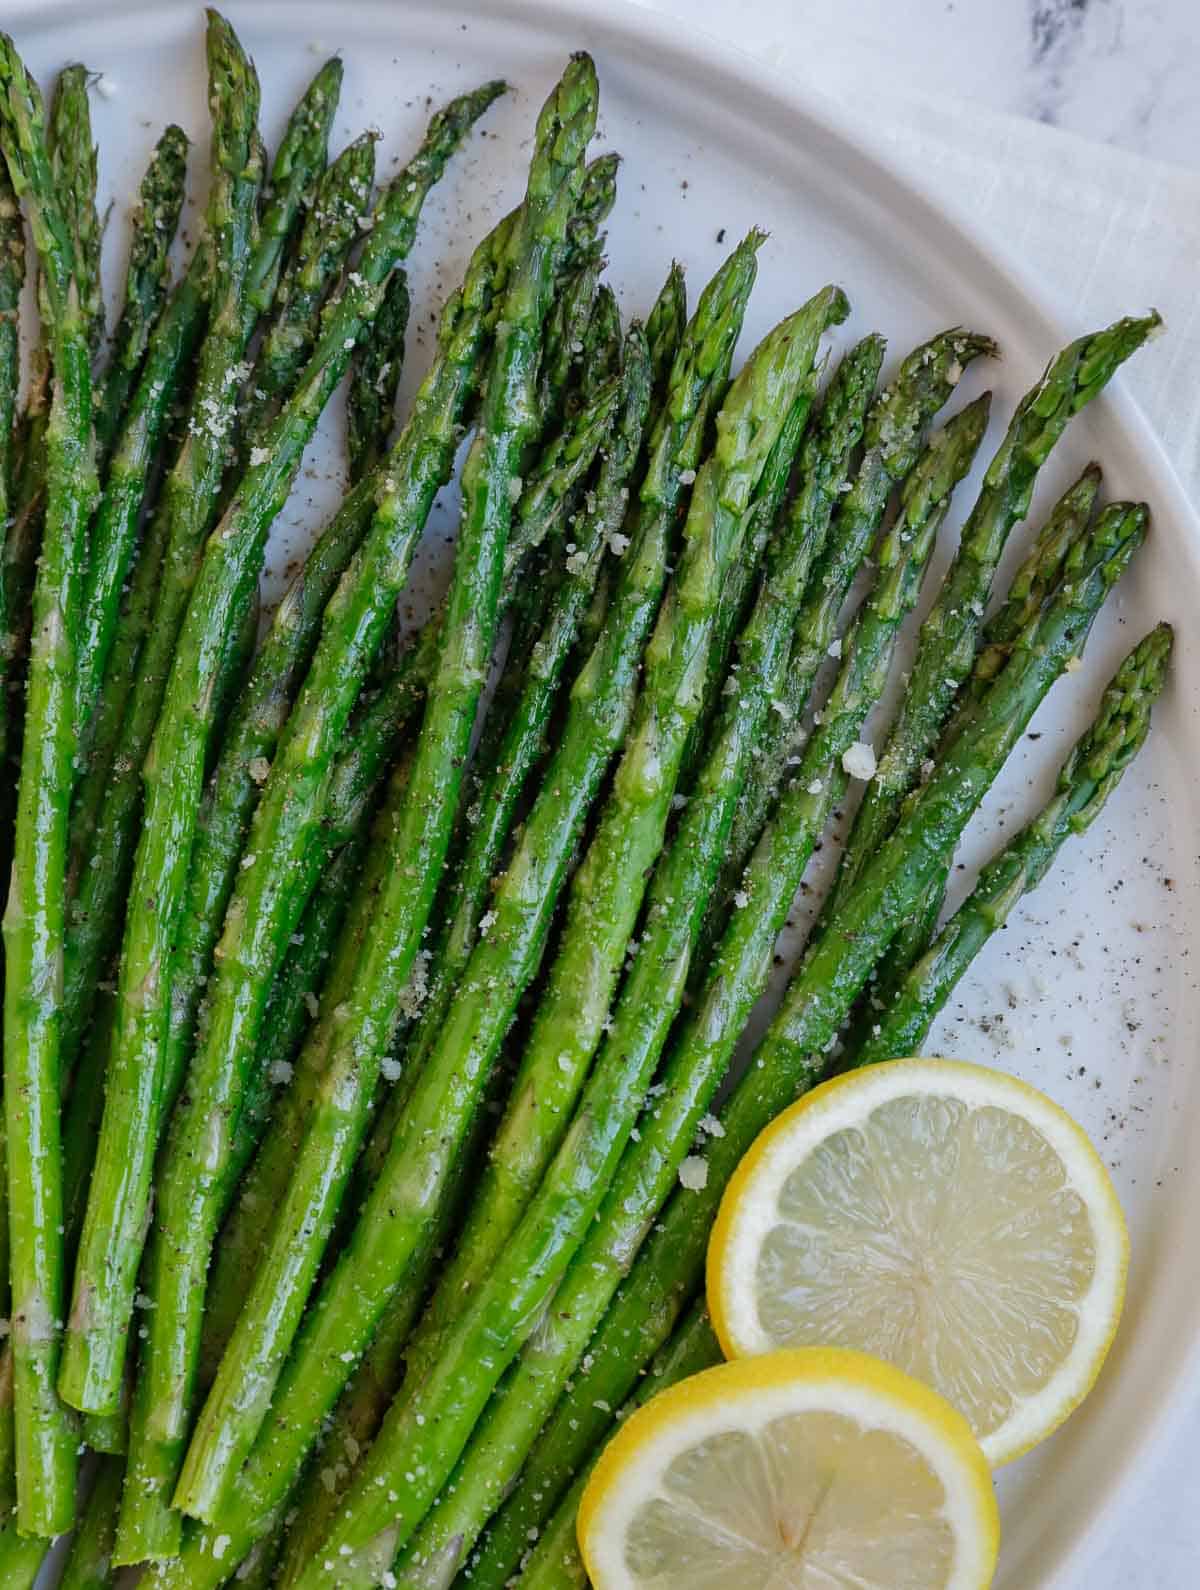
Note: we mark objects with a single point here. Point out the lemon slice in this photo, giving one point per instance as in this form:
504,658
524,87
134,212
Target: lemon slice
799,1470
943,1216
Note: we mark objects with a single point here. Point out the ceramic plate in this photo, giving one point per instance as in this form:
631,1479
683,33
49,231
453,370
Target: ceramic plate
1091,992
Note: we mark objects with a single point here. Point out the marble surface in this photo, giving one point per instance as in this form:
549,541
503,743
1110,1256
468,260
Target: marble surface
1121,74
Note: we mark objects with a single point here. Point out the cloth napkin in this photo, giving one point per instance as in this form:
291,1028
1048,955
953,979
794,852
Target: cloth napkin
1101,232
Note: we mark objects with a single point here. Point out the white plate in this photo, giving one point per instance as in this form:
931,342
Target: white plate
1090,994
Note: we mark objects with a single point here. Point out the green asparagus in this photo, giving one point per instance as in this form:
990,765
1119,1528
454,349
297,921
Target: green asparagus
109,805
34,922
891,436
154,223
554,1563
1031,584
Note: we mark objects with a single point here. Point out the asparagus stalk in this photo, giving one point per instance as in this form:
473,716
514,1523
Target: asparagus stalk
1031,584
1086,779
34,915
21,1557
375,379
607,890
225,583
669,1263
566,327
228,1422
946,650
330,229
633,1192
110,1246
188,500
73,172
584,238
535,688
143,423
12,280
504,962
1031,587
295,173
71,157
154,224
12,277
738,592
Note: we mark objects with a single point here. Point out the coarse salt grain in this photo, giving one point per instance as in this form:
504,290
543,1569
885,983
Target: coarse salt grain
693,1173
859,761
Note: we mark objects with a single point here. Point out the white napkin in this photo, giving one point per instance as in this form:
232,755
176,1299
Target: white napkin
1101,232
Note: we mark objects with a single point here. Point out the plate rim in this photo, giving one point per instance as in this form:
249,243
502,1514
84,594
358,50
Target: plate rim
713,62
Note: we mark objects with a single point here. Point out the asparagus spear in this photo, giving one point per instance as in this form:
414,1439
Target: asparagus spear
12,277
633,1192
535,687
1085,781
71,158
566,326
12,280
738,592
295,173
607,890
188,499
374,740
669,1264
187,494
226,580
144,419
330,229
554,1563
154,223
946,650
504,962
254,735
21,1557
375,380
34,915
73,172
1031,584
